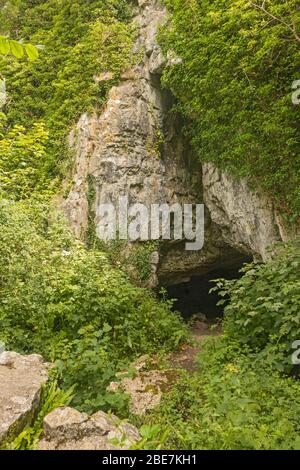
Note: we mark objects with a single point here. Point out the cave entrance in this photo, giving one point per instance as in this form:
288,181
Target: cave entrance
193,297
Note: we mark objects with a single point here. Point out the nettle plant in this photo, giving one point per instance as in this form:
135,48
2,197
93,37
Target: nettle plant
262,310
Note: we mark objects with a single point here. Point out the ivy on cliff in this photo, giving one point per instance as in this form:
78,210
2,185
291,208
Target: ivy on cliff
81,39
234,82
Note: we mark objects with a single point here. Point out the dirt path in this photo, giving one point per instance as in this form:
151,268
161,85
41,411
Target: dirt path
147,386
186,357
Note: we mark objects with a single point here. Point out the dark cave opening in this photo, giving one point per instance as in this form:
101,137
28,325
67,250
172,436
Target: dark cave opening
193,297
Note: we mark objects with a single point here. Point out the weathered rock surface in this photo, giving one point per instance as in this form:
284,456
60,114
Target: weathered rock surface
68,429
131,149
21,379
136,148
248,220
146,387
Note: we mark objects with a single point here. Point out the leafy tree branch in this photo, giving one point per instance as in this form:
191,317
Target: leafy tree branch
17,49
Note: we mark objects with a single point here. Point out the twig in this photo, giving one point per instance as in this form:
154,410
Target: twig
291,27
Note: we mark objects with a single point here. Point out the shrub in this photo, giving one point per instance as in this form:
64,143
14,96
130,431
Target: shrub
241,396
235,401
263,311
70,305
22,156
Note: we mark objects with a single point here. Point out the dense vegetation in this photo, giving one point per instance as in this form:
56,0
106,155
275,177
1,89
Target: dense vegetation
80,39
56,297
22,153
235,401
68,304
235,84
263,313
243,395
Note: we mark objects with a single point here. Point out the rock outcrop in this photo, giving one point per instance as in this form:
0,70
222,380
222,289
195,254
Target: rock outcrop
136,148
247,219
68,429
145,388
21,379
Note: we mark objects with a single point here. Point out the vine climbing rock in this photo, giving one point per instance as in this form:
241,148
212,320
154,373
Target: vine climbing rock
21,379
67,429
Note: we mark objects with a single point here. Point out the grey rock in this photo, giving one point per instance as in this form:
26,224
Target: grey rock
136,147
67,429
67,422
248,220
21,378
146,387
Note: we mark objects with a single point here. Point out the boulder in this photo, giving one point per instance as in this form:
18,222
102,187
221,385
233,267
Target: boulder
21,379
67,429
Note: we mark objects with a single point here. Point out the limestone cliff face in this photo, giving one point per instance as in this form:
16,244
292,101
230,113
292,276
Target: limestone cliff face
248,220
130,149
136,148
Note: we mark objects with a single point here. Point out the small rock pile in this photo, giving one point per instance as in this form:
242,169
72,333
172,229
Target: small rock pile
21,382
146,386
68,429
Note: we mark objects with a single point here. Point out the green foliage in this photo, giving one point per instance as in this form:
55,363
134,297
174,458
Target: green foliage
134,259
151,438
81,39
17,49
141,259
22,155
263,311
91,236
71,306
234,401
235,84
241,396
74,304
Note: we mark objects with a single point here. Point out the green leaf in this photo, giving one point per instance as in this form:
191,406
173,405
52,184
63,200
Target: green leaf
31,51
17,49
106,328
4,45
